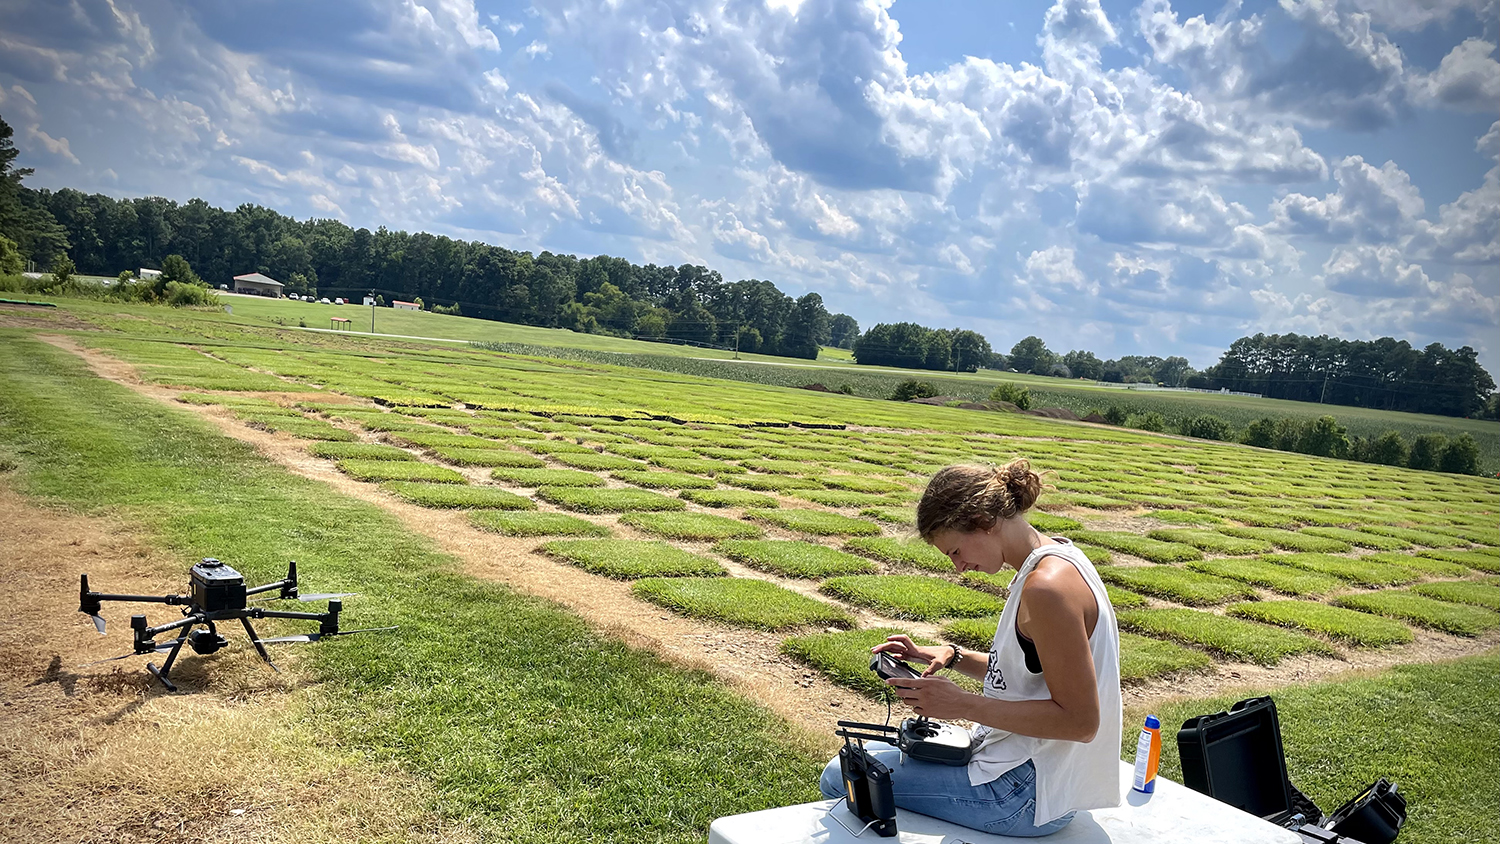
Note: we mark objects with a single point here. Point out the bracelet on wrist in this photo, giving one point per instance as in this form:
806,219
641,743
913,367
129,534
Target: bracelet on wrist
954,660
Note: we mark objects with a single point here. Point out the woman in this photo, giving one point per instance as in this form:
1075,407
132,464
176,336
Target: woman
1048,740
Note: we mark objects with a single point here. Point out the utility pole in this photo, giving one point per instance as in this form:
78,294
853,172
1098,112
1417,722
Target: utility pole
372,316
1324,394
737,342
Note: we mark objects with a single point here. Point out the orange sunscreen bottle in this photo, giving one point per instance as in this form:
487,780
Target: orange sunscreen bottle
1148,755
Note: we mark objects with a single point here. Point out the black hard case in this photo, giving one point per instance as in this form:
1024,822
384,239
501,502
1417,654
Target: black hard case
1236,757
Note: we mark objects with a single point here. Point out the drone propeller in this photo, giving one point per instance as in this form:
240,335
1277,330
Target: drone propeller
322,596
98,622
161,649
313,637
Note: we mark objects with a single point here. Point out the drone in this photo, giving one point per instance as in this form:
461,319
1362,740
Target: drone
216,593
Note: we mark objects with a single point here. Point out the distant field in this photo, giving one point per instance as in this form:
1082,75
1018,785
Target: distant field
835,369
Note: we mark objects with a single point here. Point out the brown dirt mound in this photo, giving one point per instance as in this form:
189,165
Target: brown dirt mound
817,388
1095,418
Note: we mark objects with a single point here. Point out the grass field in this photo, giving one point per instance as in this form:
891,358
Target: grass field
835,369
750,445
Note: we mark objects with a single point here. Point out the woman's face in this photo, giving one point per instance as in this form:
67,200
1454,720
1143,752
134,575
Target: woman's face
971,550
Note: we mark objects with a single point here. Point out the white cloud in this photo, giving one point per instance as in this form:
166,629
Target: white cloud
1467,78
1342,73
1420,14
1373,272
1371,204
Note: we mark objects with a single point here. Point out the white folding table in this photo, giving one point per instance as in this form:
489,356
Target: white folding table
1174,814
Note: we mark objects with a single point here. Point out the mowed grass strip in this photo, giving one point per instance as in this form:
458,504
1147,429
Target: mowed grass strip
735,498
537,524
698,466
593,461
1174,584
1287,580
844,657
1480,593
1231,638
1289,540
1147,549
691,526
1359,538
456,496
398,470
626,559
1185,517
997,583
1345,625
1486,562
839,497
302,428
537,478
1211,541
854,483
792,558
912,596
1459,619
741,601
1358,570
815,522
661,480
587,500
1429,539
1422,565
770,483
358,451
975,634
1144,658
909,552
904,516
489,458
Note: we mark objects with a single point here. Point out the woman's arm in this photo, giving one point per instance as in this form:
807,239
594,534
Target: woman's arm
1055,612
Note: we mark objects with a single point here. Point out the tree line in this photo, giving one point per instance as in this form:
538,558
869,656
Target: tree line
100,235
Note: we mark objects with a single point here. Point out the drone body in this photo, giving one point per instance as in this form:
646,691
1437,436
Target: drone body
216,593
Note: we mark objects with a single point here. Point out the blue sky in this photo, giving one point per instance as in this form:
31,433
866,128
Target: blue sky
1149,177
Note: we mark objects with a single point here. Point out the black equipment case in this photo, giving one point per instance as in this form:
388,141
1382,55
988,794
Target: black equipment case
1236,757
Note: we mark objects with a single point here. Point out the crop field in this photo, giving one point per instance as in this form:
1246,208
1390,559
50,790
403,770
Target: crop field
761,511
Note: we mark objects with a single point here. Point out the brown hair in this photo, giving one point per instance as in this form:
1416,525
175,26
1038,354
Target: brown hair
966,498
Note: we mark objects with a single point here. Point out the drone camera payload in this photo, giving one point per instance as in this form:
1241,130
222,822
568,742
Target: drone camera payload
216,592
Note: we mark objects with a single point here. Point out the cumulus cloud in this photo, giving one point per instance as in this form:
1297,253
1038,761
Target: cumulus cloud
1467,78
1341,73
1371,204
1373,271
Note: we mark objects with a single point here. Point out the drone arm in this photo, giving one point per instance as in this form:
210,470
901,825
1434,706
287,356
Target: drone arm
186,621
288,586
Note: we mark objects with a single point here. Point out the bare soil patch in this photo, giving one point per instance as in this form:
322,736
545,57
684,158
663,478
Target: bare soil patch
104,754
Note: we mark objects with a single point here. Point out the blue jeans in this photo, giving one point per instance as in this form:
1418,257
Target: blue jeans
1006,806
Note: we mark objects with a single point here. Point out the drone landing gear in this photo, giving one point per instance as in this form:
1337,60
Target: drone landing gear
166,667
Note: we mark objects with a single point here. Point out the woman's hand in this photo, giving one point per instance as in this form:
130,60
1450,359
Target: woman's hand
935,697
901,646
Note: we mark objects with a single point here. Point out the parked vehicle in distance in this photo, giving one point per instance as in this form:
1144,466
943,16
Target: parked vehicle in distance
338,301
324,301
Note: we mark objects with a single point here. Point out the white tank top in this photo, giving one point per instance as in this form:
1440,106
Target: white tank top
1070,776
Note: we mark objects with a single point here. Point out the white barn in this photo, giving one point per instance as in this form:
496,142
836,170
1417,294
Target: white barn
405,306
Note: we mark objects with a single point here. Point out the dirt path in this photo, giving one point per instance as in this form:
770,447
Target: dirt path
747,660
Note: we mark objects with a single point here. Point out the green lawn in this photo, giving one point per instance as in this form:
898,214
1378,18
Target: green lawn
424,699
